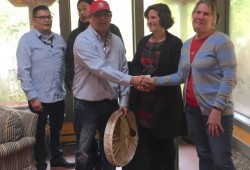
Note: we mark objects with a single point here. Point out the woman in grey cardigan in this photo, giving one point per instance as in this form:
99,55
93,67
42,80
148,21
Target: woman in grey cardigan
208,69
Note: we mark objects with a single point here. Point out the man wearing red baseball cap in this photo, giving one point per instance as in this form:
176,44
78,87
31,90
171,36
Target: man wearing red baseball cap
100,79
100,17
83,8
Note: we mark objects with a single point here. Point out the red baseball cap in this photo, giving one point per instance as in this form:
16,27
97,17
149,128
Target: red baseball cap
98,5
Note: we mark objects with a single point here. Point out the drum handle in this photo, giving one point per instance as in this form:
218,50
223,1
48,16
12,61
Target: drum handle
131,129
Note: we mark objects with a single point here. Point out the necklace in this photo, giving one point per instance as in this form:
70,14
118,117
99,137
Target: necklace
105,46
151,60
152,50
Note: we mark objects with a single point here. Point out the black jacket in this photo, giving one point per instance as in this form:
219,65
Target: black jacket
169,119
69,56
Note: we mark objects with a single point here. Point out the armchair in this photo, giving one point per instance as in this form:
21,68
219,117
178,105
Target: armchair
17,138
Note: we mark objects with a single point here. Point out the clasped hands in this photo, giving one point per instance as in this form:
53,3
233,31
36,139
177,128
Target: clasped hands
143,83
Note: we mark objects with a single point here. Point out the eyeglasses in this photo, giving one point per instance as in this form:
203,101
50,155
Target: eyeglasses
44,17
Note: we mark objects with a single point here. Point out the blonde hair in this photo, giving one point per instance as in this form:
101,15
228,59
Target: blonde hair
212,7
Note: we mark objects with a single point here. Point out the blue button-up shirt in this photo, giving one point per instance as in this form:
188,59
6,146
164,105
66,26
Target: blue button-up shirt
101,70
40,63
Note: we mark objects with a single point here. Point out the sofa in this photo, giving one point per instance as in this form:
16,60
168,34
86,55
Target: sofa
17,138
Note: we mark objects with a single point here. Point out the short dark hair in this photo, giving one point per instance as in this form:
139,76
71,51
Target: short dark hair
38,8
87,1
166,20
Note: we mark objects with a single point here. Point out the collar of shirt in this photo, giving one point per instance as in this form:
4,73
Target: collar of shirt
106,44
43,37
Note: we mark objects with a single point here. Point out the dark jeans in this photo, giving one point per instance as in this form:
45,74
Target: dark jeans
55,113
89,117
214,152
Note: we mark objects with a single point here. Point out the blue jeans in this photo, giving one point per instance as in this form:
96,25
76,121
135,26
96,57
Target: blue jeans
214,152
89,117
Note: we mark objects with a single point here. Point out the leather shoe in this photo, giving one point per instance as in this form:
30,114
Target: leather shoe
62,163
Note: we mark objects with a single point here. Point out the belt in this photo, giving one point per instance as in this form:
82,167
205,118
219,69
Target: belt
98,101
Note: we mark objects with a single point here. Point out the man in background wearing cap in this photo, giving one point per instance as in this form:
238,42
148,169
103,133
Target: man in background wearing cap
101,76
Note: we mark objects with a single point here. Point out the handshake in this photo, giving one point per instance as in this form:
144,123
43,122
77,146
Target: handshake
143,83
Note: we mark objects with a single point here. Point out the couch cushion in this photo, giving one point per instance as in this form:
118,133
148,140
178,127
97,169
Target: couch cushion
10,125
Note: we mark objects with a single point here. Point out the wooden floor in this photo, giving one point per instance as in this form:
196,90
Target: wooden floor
187,158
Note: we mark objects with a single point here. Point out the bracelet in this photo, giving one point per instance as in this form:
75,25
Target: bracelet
216,108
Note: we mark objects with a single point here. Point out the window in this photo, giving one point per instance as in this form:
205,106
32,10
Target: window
14,22
240,35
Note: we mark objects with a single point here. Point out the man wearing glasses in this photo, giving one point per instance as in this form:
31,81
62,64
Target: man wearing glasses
40,59
101,77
